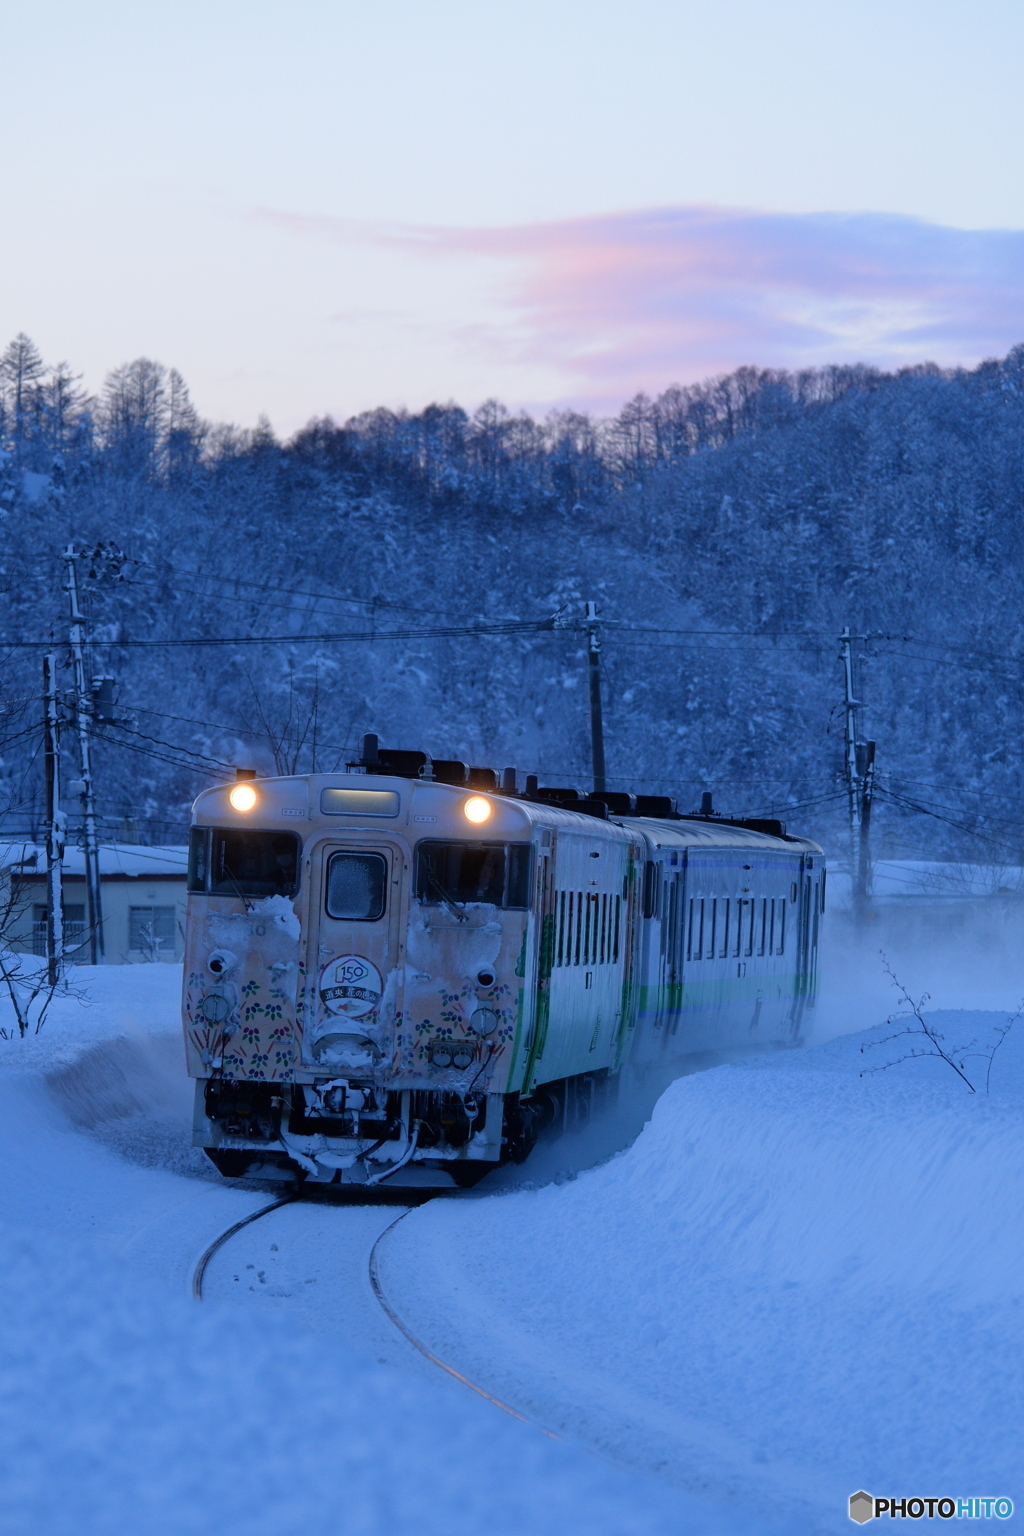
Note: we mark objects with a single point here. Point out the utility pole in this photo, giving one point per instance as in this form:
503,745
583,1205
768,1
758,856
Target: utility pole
596,721
860,780
866,770
853,785
82,712
56,823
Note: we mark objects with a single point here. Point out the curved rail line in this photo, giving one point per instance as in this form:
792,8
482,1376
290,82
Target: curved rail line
218,1242
199,1273
428,1354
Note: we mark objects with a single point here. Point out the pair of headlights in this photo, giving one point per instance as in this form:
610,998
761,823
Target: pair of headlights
476,809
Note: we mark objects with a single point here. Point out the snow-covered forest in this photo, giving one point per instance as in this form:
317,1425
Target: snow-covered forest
727,531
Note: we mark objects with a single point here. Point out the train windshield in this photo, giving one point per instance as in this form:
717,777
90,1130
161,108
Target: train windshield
249,862
496,873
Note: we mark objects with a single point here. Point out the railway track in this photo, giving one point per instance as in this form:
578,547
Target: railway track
377,1286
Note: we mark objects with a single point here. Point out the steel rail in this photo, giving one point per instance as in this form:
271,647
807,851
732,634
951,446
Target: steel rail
377,1286
218,1242
428,1354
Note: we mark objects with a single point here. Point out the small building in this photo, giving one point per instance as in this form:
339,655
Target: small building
142,893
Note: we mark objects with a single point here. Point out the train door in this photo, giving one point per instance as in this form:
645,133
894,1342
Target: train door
353,963
672,909
809,910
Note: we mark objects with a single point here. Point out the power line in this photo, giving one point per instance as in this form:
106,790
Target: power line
439,632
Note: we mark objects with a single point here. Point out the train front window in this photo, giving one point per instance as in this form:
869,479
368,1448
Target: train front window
244,862
495,873
356,886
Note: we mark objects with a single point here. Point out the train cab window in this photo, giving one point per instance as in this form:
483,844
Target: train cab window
495,873
356,886
243,862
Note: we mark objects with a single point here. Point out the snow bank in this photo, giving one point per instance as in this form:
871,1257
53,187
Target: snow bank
798,1282
125,1407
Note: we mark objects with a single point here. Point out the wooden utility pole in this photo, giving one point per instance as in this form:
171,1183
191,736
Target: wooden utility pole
55,825
859,759
851,706
596,720
88,797
866,769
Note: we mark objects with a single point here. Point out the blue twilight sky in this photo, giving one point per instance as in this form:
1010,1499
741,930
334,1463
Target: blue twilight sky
324,205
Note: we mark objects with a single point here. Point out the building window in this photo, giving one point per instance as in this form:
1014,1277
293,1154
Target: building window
151,930
74,927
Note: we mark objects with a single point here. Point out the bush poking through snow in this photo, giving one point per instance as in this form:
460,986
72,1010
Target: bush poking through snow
931,1042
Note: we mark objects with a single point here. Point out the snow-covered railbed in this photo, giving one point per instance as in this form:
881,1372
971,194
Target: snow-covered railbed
127,1407
798,1282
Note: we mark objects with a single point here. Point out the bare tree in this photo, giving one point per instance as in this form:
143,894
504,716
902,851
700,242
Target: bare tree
24,977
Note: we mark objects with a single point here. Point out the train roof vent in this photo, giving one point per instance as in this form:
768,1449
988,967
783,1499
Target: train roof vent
655,805
404,765
590,807
618,804
766,824
556,796
448,770
482,778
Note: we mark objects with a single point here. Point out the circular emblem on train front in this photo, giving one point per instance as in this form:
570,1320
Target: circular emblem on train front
350,987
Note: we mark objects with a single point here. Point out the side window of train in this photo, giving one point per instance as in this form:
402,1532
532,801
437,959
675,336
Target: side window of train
356,886
761,926
650,889
777,926
695,928
723,947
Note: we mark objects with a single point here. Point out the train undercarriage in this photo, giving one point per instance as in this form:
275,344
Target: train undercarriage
356,1134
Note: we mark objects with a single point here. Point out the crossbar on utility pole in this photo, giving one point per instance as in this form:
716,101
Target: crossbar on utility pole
596,719
55,824
89,837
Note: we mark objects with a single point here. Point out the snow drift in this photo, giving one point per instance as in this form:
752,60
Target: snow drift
799,1281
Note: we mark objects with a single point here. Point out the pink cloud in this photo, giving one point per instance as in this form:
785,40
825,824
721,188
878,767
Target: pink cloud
639,300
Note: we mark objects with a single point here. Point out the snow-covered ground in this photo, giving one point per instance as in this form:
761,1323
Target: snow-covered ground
797,1282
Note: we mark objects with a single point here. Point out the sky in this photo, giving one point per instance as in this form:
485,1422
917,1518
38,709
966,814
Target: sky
318,207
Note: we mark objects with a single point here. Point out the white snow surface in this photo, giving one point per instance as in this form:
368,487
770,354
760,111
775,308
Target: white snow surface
797,1282
127,1407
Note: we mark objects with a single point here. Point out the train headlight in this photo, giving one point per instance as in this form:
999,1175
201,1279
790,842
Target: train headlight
477,809
243,797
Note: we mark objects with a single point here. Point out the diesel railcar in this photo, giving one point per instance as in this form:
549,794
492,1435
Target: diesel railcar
397,973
